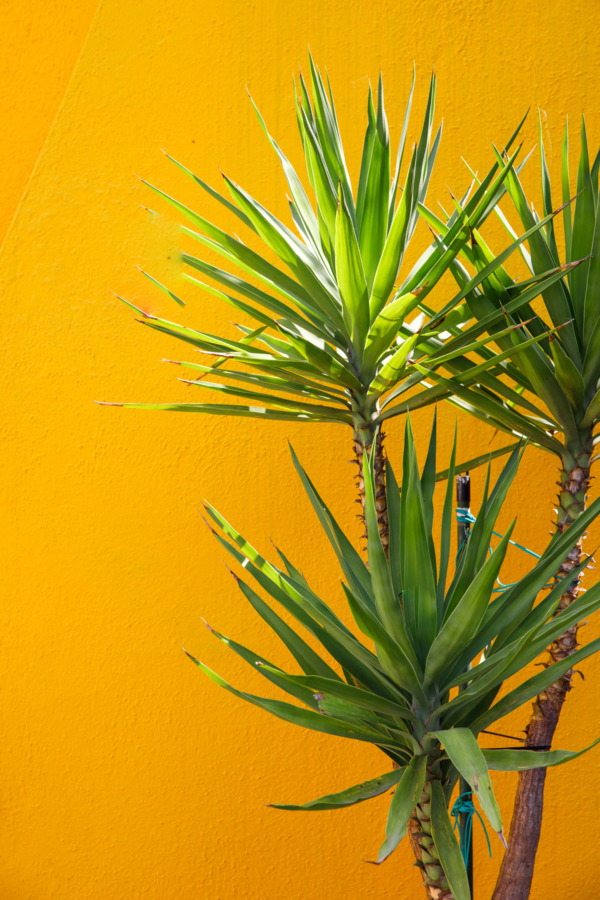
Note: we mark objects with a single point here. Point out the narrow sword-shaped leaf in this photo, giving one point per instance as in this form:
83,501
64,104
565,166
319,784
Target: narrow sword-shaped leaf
291,384
272,400
400,153
269,671
418,557
241,255
366,160
584,220
447,845
351,277
393,250
301,201
328,134
403,803
446,530
224,201
464,621
309,661
398,660
164,289
215,409
373,227
312,273
359,697
351,563
357,794
322,185
519,760
305,718
273,304
464,753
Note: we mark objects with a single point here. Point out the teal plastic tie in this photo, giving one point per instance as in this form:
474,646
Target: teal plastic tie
466,517
464,805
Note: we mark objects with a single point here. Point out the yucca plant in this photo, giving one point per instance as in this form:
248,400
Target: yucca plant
392,681
549,392
334,329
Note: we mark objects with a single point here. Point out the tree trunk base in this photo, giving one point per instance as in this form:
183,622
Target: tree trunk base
516,871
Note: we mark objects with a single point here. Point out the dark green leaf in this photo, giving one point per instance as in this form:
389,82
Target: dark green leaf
447,845
350,796
406,797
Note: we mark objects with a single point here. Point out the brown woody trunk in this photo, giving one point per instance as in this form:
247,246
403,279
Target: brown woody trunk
516,872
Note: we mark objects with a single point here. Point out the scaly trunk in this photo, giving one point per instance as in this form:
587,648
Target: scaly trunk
421,841
366,440
415,836
516,872
435,882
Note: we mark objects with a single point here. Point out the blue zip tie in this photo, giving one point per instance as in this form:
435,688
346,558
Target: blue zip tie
464,804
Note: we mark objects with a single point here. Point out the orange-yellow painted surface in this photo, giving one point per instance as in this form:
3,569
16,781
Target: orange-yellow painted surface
124,773
39,46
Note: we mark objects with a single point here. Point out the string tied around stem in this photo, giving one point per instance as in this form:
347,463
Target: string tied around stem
464,516
464,805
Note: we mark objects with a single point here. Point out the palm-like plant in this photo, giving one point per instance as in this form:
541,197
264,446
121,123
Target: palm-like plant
550,392
392,686
335,331
332,338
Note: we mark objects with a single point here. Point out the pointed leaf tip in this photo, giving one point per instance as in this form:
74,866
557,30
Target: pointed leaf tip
231,572
208,525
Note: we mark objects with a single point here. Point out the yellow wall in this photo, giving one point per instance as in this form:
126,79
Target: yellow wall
39,47
124,773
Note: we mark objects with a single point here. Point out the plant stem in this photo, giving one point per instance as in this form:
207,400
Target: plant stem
516,872
434,880
366,440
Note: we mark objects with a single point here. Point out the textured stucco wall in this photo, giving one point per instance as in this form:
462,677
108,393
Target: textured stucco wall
39,47
124,773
